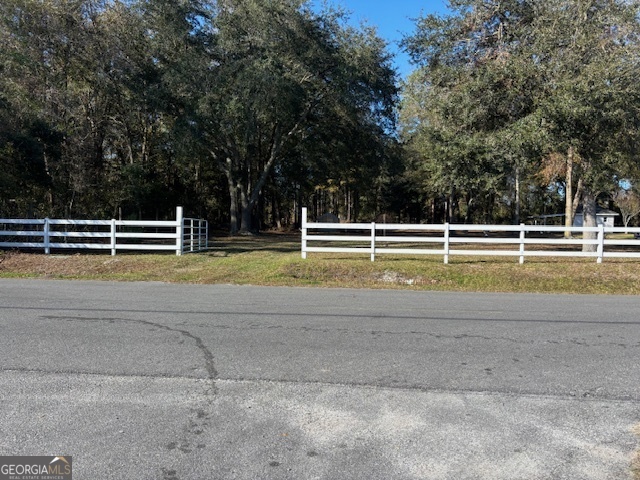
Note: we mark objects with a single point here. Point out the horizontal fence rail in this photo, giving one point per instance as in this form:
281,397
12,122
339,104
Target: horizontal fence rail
180,235
454,239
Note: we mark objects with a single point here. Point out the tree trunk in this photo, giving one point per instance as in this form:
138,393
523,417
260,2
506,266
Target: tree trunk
576,198
517,202
589,218
433,211
246,212
470,202
568,195
275,211
452,207
240,177
233,208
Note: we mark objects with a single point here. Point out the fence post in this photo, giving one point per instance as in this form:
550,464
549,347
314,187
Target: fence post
304,232
446,243
373,241
600,242
522,236
113,236
179,231
206,234
45,236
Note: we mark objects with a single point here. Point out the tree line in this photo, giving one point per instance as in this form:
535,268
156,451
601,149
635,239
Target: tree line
518,105
243,111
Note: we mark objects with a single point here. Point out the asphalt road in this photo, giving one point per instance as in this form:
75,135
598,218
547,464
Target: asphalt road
159,381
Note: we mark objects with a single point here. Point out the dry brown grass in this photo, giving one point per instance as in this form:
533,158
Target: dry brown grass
275,260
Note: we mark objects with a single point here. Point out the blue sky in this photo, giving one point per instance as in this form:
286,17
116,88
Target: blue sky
393,19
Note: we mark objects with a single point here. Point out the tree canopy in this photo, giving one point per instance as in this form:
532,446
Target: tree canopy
133,107
504,87
243,111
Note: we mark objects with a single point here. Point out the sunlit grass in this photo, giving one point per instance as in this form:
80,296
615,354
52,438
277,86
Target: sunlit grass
275,260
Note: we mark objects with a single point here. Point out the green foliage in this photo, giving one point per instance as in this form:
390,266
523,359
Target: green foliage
128,108
503,85
291,91
245,110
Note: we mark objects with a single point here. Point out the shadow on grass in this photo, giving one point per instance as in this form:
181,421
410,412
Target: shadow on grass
263,242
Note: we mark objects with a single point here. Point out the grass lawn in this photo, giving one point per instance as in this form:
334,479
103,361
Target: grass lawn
274,259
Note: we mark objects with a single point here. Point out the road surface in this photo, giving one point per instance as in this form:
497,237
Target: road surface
161,381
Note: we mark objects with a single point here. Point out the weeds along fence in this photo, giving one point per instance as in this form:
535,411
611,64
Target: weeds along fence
477,240
181,235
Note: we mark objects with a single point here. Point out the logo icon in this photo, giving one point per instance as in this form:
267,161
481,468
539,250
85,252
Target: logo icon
54,467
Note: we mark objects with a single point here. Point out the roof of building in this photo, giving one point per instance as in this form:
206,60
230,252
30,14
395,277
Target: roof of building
599,211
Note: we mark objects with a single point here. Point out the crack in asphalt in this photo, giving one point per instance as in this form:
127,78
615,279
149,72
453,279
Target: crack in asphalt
350,331
462,336
212,373
369,316
375,333
194,427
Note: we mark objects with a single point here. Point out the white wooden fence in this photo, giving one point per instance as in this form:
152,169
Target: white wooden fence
179,235
453,239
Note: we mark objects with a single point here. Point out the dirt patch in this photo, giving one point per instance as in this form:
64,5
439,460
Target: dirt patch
390,277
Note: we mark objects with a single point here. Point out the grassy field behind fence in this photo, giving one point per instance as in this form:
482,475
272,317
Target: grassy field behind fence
273,259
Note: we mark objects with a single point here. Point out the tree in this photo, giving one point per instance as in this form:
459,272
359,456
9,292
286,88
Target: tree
276,72
91,86
511,83
628,201
473,88
128,108
589,58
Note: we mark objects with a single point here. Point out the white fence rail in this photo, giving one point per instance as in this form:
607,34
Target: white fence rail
180,235
452,239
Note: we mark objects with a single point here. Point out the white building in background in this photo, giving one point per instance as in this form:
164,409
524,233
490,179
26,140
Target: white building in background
604,217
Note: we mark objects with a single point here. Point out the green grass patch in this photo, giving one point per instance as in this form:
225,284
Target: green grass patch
275,260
